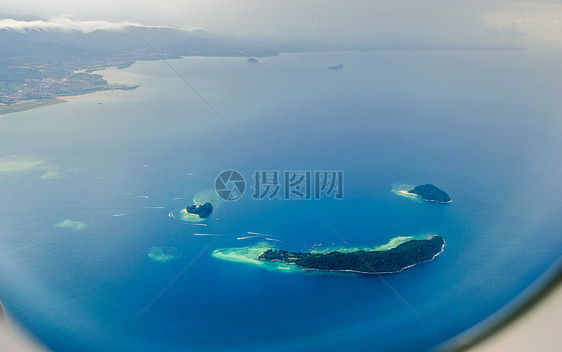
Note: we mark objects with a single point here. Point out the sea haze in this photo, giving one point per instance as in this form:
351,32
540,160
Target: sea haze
86,188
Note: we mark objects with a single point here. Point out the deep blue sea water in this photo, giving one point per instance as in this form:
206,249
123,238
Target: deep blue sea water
483,125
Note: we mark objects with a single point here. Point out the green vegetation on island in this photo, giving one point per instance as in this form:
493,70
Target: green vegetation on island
430,193
203,210
393,260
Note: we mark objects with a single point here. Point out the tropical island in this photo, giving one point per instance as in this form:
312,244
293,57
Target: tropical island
393,260
203,210
430,193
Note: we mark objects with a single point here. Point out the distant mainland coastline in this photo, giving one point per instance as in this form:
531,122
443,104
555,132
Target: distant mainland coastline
93,84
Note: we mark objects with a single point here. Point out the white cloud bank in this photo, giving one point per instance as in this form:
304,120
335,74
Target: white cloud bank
536,23
65,24
525,23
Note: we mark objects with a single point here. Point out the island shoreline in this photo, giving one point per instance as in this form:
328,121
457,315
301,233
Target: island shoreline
427,200
26,105
362,272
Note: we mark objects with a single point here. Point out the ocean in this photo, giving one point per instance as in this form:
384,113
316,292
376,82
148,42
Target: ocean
92,257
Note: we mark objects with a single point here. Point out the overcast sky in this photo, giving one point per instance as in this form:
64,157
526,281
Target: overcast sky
474,22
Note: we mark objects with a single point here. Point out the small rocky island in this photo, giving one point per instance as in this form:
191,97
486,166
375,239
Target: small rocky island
393,260
336,67
430,193
252,60
203,210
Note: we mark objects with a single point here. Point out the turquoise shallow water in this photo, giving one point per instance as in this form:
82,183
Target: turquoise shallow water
90,259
